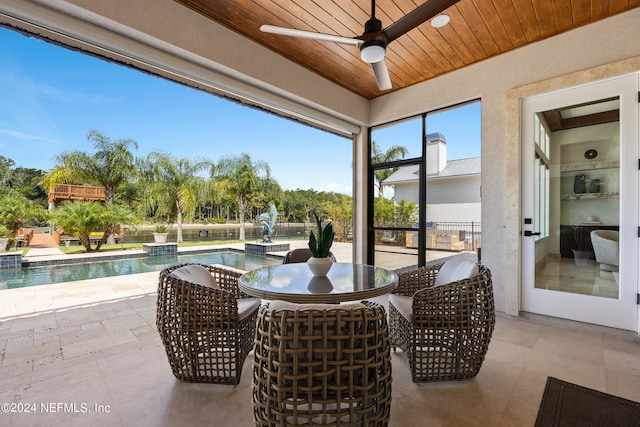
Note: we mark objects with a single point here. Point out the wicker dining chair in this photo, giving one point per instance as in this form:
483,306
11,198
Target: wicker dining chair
321,365
206,327
444,330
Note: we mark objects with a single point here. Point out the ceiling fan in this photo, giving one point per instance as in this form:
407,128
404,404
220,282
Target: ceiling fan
373,42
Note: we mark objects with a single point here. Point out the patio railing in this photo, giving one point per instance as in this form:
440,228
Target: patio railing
456,236
76,192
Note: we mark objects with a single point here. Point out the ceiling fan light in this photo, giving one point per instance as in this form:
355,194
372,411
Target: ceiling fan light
440,21
372,51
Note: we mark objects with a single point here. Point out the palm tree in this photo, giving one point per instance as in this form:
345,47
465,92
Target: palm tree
241,178
110,166
395,152
80,219
269,192
16,210
170,186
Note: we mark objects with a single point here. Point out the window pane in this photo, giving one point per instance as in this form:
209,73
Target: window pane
453,178
461,128
452,165
398,140
396,205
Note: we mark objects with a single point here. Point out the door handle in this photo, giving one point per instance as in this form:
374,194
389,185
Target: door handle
531,233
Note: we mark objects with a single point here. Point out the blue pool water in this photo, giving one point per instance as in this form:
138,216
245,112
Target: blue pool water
93,269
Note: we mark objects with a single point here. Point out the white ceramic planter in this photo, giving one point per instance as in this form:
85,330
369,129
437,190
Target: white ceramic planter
320,285
3,244
160,237
319,266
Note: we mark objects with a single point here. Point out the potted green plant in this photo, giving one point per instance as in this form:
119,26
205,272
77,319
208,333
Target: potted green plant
160,233
6,238
320,241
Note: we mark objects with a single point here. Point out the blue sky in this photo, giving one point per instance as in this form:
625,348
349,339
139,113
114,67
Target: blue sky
51,97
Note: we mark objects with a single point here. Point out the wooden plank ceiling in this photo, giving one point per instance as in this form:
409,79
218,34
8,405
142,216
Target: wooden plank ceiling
479,29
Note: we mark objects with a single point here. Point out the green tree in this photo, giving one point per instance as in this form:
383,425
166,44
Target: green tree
241,177
5,171
7,234
116,216
340,211
383,212
405,213
298,204
80,219
28,181
170,186
16,210
110,166
269,192
395,152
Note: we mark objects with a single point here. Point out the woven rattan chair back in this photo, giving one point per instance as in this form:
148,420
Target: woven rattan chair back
322,367
451,327
301,255
202,334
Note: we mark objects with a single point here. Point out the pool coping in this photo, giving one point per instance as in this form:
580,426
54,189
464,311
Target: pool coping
136,253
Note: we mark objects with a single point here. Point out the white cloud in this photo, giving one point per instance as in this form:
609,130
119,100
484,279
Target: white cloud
70,97
336,187
28,137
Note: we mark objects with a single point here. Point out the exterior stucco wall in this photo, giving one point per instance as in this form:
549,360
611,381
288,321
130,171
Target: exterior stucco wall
576,57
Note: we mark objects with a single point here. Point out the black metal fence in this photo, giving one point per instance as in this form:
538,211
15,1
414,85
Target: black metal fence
468,232
455,236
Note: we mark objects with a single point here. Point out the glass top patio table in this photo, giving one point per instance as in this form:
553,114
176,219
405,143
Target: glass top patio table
296,283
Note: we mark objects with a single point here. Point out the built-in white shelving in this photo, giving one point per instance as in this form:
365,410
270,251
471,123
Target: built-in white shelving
583,166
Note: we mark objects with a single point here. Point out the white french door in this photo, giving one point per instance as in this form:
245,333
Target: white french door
579,175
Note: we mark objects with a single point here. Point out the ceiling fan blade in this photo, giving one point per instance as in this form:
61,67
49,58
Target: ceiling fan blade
416,17
382,74
310,35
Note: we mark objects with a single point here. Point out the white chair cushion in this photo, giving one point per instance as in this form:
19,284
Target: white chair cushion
246,306
285,305
195,274
403,304
454,270
228,268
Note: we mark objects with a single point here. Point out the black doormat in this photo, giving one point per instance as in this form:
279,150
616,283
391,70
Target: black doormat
567,405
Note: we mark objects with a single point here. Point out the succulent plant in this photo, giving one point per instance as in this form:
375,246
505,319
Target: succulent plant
321,240
161,228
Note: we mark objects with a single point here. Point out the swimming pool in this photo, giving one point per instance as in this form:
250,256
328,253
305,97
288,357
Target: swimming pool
93,268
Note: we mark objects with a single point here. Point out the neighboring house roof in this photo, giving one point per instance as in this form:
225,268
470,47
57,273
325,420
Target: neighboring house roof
454,168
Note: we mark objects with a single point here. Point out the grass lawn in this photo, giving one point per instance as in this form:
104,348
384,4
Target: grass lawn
76,249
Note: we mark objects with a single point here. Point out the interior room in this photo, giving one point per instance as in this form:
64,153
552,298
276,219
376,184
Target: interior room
579,205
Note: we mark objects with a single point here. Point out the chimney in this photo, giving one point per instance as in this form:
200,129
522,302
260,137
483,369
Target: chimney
436,153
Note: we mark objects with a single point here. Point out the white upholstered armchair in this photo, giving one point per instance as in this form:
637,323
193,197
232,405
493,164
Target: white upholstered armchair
606,247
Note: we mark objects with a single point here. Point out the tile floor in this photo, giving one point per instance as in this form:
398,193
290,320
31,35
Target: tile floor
581,277
88,353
